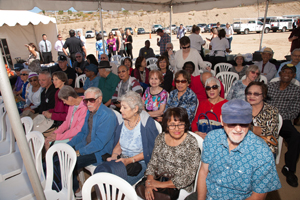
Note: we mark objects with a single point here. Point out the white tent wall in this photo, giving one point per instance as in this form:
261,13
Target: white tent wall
16,36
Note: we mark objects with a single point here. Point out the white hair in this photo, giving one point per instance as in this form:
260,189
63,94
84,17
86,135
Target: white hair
95,90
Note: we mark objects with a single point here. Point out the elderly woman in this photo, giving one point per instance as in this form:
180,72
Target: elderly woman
240,67
183,96
175,156
214,104
60,111
134,137
33,53
155,97
186,53
141,72
237,90
75,117
163,65
265,117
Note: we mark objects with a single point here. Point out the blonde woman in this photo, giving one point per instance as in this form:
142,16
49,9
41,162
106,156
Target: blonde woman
128,44
120,44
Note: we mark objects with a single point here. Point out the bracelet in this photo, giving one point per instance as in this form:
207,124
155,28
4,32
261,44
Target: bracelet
133,161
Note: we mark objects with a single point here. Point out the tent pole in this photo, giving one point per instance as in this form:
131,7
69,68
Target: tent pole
18,131
171,12
101,24
263,30
36,42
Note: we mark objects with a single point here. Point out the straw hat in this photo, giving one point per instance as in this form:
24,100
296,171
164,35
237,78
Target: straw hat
239,55
268,50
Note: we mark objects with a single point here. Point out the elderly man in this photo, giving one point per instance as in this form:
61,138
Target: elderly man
114,67
164,39
45,47
294,37
108,82
80,63
286,97
97,134
146,51
295,61
236,164
266,68
92,80
63,66
127,83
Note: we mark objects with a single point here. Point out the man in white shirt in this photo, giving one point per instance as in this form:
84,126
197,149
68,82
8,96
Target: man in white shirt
58,46
82,38
45,49
229,34
266,68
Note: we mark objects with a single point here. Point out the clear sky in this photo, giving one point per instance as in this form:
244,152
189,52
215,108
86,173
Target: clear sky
37,10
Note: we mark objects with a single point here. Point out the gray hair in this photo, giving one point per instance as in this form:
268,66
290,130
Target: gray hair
133,99
170,44
108,69
95,90
124,66
252,68
79,53
298,49
212,79
25,70
67,91
35,66
47,73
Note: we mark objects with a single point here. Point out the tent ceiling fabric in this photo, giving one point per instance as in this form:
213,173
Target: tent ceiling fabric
116,5
13,17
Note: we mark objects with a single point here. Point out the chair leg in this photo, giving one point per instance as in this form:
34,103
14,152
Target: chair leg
81,177
280,141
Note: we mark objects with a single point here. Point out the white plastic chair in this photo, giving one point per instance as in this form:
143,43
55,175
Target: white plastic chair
208,64
280,139
108,185
7,146
152,67
196,107
222,67
122,60
158,127
28,124
262,78
19,187
294,81
151,61
115,62
2,110
67,160
116,58
227,78
82,78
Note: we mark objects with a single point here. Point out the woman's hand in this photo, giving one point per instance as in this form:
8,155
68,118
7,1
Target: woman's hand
126,161
150,185
201,134
47,114
113,157
51,137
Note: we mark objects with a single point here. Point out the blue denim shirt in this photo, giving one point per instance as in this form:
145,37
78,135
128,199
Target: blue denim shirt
250,167
94,83
297,69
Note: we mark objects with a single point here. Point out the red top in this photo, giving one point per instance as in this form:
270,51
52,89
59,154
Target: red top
60,111
205,106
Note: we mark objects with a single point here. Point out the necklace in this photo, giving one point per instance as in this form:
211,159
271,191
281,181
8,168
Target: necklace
135,122
211,109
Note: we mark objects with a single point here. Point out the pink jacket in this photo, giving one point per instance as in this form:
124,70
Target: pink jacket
64,131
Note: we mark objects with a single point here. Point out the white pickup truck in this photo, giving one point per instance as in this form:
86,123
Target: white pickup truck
282,24
246,25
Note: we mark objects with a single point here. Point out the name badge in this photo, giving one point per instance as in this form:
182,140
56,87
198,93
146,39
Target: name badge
47,100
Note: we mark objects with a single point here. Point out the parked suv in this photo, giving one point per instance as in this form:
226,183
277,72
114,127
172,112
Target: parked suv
89,34
282,24
246,25
155,27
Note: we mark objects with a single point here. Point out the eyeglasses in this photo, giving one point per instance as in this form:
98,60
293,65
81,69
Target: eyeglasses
186,47
257,73
297,56
179,126
92,100
214,87
241,125
33,80
123,71
256,94
180,81
24,74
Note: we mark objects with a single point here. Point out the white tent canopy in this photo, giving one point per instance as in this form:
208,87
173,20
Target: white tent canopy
23,27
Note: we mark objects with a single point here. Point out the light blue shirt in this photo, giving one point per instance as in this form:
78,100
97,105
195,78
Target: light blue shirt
42,46
88,83
297,69
250,167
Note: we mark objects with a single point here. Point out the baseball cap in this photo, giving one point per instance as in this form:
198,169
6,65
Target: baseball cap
289,66
92,67
62,58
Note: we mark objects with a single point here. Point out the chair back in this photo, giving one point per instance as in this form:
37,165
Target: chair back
158,127
110,186
151,61
227,78
280,140
262,78
294,81
2,110
28,124
222,67
122,60
82,78
152,67
116,58
208,64
67,160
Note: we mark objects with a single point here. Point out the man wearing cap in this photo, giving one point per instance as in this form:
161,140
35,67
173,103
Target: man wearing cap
108,81
235,163
80,63
164,39
266,68
114,68
285,96
146,51
92,80
294,37
63,66
19,83
97,134
295,55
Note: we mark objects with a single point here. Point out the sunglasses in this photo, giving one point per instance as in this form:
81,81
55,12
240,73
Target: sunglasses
186,47
123,71
180,81
254,94
24,74
257,73
241,125
33,80
92,100
214,87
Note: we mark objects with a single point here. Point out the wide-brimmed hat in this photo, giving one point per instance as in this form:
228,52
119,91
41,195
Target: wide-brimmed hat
104,64
237,111
32,74
268,50
41,123
239,55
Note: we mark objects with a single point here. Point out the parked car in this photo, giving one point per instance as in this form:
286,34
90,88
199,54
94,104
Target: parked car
209,27
202,27
89,34
131,30
166,30
141,31
155,27
189,28
282,24
114,30
174,27
104,33
246,25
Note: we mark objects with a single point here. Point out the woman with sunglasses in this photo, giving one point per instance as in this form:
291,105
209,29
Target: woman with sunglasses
22,94
186,53
265,116
175,158
163,65
33,98
214,104
112,45
60,110
237,90
183,96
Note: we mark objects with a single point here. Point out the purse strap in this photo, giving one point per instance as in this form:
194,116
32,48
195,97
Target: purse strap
211,113
204,114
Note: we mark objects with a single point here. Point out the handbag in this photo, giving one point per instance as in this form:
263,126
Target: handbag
270,140
160,194
206,125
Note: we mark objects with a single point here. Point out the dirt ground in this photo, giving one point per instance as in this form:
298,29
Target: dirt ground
240,44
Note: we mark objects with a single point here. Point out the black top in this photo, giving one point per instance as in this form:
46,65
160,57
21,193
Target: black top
70,73
74,44
47,100
81,65
167,83
129,39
